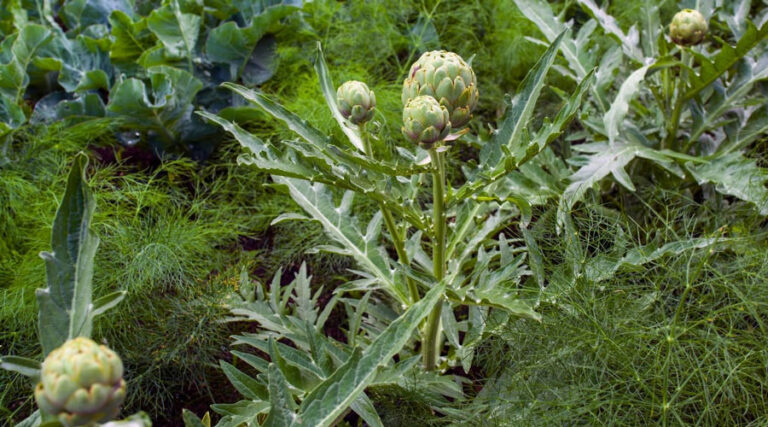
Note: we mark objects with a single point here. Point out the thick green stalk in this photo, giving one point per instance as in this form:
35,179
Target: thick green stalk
674,122
389,221
432,331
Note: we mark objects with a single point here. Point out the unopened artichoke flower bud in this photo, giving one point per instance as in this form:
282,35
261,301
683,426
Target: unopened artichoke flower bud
425,121
449,79
356,102
688,27
81,383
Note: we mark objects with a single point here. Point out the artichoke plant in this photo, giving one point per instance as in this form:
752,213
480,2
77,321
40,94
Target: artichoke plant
356,102
425,121
688,27
81,383
446,77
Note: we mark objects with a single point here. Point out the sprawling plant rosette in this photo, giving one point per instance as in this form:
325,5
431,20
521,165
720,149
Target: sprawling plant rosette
452,255
81,383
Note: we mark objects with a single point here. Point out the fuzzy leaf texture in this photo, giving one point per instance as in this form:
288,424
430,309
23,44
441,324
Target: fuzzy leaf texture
65,303
329,92
540,13
605,160
512,134
630,41
734,175
317,201
727,57
328,400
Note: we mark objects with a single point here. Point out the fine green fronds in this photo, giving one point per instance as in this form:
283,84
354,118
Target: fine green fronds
677,341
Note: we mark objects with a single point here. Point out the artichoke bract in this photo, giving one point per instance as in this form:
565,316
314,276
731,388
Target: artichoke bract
356,102
425,121
81,383
446,77
688,27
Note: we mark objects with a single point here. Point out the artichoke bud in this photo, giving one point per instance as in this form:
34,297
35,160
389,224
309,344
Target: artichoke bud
81,383
356,102
449,79
425,121
688,27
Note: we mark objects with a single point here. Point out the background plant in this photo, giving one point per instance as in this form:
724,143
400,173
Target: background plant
307,167
85,59
689,112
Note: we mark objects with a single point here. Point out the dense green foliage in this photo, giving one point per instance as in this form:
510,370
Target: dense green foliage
637,238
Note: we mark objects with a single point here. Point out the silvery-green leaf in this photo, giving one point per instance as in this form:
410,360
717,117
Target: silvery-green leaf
548,132
243,383
329,92
65,303
600,165
597,271
365,409
614,118
712,68
332,397
540,13
735,175
282,407
21,365
535,257
629,41
338,222
514,125
192,420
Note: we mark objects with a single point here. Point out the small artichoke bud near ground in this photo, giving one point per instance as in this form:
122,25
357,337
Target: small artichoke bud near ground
688,27
356,102
425,121
81,383
449,79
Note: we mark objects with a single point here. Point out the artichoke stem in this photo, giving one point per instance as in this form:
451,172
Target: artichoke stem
389,220
674,122
432,332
